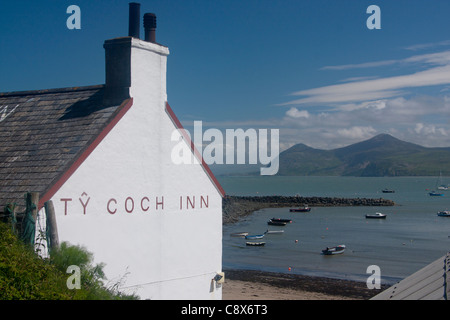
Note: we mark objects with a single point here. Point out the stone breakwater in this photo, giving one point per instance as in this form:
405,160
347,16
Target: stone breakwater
236,207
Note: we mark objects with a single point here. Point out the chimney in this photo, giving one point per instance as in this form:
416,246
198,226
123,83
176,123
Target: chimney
134,67
150,27
117,70
133,22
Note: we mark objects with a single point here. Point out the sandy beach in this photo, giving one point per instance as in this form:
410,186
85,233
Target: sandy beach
258,285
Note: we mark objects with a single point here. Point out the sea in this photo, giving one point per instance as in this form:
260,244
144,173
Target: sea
411,237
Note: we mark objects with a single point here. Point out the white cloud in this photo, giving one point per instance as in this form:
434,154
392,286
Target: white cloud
372,89
295,113
434,71
419,119
361,65
419,127
430,129
428,45
354,79
438,58
377,104
357,133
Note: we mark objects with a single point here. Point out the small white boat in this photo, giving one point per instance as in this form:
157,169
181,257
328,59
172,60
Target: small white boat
255,244
274,231
302,209
334,250
444,213
239,234
377,215
440,187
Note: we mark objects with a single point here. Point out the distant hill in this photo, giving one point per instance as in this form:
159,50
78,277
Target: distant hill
382,155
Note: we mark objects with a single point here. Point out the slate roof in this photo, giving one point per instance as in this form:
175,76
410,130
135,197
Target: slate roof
43,133
430,283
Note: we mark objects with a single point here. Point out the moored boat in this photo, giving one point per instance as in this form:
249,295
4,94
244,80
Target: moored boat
444,213
254,237
377,215
239,234
255,244
274,231
281,220
302,209
276,223
388,191
334,250
439,186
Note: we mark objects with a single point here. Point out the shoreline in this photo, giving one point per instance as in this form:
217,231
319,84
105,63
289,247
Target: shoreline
262,285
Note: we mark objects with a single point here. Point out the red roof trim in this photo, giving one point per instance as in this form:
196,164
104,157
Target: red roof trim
123,109
197,154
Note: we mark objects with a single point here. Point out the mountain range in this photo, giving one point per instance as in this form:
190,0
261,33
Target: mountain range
382,155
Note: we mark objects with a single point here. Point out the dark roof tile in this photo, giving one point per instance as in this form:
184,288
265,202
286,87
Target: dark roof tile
43,132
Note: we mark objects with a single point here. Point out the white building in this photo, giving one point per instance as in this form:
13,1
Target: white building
102,155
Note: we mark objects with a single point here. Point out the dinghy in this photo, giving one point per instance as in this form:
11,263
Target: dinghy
274,231
444,213
303,209
255,244
377,215
254,237
334,250
239,234
276,223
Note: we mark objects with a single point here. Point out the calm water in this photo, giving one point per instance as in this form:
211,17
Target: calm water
410,238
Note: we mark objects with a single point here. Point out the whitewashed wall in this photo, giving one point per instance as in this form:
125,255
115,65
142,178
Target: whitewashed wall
129,203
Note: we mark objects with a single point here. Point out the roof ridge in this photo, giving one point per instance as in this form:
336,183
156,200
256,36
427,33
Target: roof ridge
46,91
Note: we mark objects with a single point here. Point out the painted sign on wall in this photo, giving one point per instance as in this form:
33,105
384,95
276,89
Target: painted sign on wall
130,204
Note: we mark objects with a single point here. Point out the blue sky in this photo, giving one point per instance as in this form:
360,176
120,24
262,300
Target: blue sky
309,68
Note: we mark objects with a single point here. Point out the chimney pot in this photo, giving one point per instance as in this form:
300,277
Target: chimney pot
150,27
133,22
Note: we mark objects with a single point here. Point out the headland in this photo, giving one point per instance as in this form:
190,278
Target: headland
237,207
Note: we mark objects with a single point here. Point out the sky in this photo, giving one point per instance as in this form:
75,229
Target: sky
312,69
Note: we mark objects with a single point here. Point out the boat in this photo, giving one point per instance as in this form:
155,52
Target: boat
255,244
276,223
377,215
334,250
254,237
302,209
239,234
439,186
444,213
388,191
274,231
281,220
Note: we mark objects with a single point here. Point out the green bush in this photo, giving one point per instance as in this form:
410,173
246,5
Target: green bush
92,276
23,275
26,276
